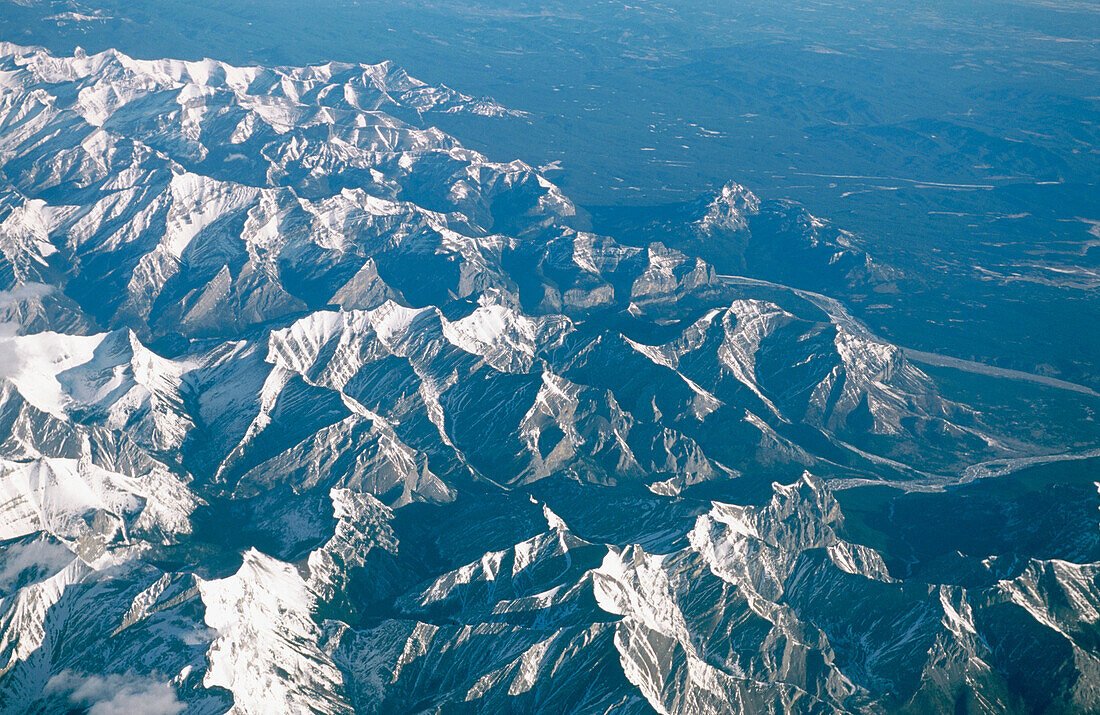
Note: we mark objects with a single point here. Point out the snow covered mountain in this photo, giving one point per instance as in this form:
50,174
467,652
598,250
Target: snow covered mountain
305,407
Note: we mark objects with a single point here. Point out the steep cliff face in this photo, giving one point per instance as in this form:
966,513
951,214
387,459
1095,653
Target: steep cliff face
289,381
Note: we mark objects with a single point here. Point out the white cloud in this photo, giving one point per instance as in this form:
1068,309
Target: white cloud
44,556
116,694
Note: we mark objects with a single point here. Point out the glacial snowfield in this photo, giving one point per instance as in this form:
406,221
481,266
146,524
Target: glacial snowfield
305,407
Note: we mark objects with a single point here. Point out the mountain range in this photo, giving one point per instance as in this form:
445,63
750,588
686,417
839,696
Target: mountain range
306,407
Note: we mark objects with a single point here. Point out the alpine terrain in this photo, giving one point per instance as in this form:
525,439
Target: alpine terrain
307,407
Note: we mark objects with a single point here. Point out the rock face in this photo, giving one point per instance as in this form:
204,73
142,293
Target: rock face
305,406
